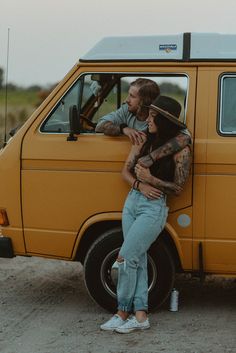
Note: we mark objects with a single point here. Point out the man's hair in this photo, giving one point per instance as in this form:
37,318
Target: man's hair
148,90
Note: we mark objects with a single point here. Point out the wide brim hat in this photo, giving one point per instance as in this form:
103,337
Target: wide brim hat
168,108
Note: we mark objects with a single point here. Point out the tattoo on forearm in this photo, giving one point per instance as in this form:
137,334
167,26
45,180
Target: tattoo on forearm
183,162
109,129
174,145
130,164
182,168
166,186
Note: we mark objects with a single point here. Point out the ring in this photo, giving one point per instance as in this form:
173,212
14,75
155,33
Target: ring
150,194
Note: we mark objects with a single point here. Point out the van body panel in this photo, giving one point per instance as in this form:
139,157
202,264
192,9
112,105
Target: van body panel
214,180
73,181
10,193
179,227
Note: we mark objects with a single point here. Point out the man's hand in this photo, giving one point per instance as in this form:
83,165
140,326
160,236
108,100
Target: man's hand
145,161
150,192
136,137
142,174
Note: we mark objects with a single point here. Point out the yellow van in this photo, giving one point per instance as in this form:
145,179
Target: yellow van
61,190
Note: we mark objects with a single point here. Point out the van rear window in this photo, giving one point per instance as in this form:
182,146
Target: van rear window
227,121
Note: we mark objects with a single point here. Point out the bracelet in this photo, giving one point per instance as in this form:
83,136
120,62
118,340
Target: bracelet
151,157
135,184
122,126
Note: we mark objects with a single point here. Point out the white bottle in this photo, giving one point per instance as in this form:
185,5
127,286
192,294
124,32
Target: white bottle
174,300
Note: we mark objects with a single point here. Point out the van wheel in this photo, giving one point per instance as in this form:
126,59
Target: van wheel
101,278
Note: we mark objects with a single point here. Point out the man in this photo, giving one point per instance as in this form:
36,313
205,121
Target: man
130,120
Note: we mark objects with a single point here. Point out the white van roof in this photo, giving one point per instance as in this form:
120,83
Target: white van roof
177,47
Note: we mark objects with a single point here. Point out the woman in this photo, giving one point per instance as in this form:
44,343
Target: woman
145,212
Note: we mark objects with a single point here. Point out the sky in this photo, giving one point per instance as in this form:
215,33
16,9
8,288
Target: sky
47,37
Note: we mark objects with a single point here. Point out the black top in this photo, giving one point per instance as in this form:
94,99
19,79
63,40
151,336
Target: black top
164,168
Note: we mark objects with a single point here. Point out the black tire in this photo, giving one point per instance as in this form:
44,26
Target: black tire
100,278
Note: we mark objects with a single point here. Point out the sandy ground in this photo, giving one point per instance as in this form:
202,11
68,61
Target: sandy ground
44,308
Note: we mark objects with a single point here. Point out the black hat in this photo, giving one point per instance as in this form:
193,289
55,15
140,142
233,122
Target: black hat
169,108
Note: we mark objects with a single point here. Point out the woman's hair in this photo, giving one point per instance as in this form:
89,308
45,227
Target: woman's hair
148,90
166,130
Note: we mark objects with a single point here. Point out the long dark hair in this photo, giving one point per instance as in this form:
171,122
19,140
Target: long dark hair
166,130
164,168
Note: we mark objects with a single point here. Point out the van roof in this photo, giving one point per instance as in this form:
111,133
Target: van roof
176,47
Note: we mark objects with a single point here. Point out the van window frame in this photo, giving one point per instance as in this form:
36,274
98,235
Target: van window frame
220,105
122,74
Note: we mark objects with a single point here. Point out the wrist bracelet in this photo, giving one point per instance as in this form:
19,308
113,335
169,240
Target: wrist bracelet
122,126
135,184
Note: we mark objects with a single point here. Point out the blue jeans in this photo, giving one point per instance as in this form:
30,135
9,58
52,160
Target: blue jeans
142,222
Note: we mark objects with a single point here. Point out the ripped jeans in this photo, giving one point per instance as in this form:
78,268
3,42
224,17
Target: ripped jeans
142,222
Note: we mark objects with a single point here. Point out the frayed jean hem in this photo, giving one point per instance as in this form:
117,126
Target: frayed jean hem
141,308
124,308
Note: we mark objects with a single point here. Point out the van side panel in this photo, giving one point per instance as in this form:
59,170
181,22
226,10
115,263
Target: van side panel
10,196
215,180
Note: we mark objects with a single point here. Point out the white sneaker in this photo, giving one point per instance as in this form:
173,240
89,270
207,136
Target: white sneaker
113,323
115,266
132,325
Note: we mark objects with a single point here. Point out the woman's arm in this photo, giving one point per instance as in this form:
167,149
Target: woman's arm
147,190
129,165
182,166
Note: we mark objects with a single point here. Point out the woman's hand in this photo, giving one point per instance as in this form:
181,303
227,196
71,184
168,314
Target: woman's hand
150,192
143,174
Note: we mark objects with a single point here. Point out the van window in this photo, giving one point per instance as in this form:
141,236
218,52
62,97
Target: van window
58,120
228,105
97,94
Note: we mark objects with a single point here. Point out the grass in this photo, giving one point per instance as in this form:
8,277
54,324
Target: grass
20,105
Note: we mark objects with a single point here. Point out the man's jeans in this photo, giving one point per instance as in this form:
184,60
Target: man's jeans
142,222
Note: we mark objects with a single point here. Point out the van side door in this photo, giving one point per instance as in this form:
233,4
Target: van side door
215,169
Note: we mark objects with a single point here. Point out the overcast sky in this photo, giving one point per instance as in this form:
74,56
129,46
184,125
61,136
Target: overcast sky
47,37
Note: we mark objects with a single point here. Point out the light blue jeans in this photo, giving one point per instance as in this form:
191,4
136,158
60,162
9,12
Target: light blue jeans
142,222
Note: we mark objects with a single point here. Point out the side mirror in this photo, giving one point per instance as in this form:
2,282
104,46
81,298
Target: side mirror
74,123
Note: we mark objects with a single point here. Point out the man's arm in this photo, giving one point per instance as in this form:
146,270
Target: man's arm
111,129
182,162
182,165
172,146
108,128
110,123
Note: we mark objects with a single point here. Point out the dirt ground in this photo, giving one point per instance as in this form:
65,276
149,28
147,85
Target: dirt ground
45,308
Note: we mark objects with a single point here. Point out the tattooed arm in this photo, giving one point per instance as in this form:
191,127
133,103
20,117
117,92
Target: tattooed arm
172,146
182,166
111,129
147,190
